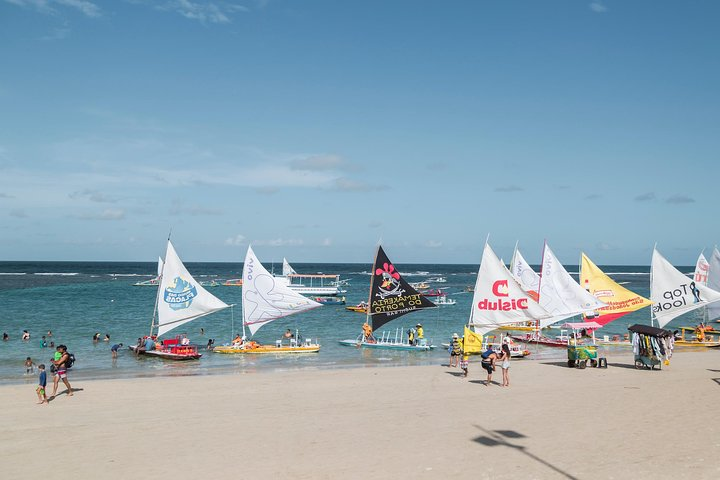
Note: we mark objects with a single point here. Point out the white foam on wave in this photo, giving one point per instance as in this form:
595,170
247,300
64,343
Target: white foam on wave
58,274
129,275
13,273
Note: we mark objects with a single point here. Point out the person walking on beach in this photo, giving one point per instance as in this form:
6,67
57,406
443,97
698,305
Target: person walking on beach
114,349
61,373
488,363
42,383
505,365
455,350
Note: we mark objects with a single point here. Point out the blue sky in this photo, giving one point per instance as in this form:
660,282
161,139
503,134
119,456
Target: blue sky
315,128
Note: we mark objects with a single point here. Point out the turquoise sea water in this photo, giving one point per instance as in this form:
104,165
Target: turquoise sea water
77,299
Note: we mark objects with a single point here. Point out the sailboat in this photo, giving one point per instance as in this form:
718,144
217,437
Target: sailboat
390,297
180,299
620,301
499,300
264,299
713,282
674,294
153,282
529,280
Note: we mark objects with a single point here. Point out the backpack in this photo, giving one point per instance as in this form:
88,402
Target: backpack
486,353
70,361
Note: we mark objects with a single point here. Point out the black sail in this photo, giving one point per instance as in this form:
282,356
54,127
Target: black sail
390,295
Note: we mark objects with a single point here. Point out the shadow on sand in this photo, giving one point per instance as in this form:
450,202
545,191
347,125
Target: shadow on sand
507,438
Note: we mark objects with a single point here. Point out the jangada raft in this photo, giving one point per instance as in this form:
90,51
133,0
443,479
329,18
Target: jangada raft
180,299
264,299
390,297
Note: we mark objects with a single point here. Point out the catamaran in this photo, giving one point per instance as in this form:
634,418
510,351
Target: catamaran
180,299
265,299
390,297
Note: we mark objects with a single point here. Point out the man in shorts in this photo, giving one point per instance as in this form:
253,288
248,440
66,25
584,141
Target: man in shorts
61,373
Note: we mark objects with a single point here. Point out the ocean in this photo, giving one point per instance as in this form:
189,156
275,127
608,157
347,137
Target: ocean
75,300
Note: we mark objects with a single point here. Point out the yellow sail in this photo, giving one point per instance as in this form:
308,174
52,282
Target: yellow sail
472,343
619,299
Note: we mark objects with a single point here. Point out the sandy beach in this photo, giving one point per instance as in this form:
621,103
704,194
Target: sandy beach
395,422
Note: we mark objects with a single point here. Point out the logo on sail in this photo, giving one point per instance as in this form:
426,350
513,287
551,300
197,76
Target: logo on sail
500,289
179,294
390,281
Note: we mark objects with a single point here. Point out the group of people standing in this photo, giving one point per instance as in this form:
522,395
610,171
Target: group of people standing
490,359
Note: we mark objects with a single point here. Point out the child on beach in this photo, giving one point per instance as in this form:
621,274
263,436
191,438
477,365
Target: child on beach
29,366
42,383
464,364
505,365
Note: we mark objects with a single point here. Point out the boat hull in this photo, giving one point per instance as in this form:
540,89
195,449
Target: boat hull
266,349
167,355
387,346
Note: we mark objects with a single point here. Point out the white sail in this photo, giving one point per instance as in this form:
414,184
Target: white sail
160,267
265,297
181,298
287,269
673,293
560,294
524,274
713,310
701,270
499,299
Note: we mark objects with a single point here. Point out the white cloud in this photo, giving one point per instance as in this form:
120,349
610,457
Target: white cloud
107,214
47,7
598,7
326,242
235,241
680,199
318,162
433,244
93,196
206,12
279,242
345,184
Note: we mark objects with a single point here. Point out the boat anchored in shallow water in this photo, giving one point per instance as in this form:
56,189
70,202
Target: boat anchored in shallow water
264,299
180,299
390,297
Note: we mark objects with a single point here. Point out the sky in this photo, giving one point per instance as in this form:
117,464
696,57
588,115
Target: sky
315,129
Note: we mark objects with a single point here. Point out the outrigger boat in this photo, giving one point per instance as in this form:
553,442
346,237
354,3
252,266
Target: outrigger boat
359,308
330,300
180,299
444,300
153,282
390,297
698,337
265,299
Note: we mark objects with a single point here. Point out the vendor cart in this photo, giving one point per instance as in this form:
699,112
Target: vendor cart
651,346
581,344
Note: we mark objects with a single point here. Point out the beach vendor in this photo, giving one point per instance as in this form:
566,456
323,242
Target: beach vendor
367,333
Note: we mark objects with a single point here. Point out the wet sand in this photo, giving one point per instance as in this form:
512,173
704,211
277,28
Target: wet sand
394,422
